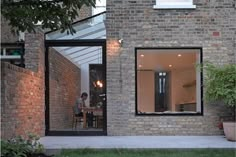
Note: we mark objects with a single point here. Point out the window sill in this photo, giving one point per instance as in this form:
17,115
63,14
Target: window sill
170,114
10,57
174,6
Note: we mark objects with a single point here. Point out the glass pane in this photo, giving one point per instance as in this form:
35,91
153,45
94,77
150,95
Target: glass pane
160,85
12,54
164,82
168,89
92,28
73,71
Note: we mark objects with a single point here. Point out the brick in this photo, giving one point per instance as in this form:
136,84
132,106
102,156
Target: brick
216,34
212,28
21,96
20,109
141,26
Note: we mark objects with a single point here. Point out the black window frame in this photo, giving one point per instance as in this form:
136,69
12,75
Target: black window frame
169,114
76,43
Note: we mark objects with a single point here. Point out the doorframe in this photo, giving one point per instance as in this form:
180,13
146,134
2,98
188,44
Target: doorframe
72,42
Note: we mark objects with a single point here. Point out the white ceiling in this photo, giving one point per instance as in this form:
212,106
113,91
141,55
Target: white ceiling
159,60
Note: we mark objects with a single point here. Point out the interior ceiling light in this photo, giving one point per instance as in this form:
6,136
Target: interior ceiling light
170,65
179,55
99,83
142,55
139,65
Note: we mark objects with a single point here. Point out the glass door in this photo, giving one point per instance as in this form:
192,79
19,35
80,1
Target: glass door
76,64
74,71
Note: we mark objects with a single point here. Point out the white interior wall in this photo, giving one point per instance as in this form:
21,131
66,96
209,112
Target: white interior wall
85,81
180,94
179,77
146,87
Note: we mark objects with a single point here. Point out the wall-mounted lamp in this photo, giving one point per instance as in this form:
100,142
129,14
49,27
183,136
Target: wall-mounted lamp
120,41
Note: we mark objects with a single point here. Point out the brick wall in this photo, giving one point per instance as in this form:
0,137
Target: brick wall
84,12
6,35
23,91
212,26
34,51
22,101
64,89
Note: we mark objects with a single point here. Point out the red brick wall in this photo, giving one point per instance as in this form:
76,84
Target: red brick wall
64,89
23,91
22,101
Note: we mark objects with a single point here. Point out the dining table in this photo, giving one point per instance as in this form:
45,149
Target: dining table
96,112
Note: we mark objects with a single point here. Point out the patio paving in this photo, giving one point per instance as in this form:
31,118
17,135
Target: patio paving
160,142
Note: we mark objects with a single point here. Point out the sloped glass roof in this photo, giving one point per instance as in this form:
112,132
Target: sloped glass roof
89,28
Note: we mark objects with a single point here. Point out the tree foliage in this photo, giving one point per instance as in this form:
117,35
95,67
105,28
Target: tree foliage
52,14
220,83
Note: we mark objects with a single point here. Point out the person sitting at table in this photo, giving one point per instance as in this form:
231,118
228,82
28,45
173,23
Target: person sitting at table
80,104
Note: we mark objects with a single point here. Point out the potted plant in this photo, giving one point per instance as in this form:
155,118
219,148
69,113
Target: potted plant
220,86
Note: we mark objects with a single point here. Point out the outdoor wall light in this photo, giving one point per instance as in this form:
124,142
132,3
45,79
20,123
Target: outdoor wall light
120,41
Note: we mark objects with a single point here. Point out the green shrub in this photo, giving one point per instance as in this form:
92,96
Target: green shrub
20,147
220,83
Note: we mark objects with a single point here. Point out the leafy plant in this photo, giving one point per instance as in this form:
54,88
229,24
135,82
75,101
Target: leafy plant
220,83
35,145
52,14
20,147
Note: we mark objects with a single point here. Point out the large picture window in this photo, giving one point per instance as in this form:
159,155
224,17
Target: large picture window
171,4
167,81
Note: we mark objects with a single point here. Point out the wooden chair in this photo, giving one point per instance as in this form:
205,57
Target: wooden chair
91,119
76,119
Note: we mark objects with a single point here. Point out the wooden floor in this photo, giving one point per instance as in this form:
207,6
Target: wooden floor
79,128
